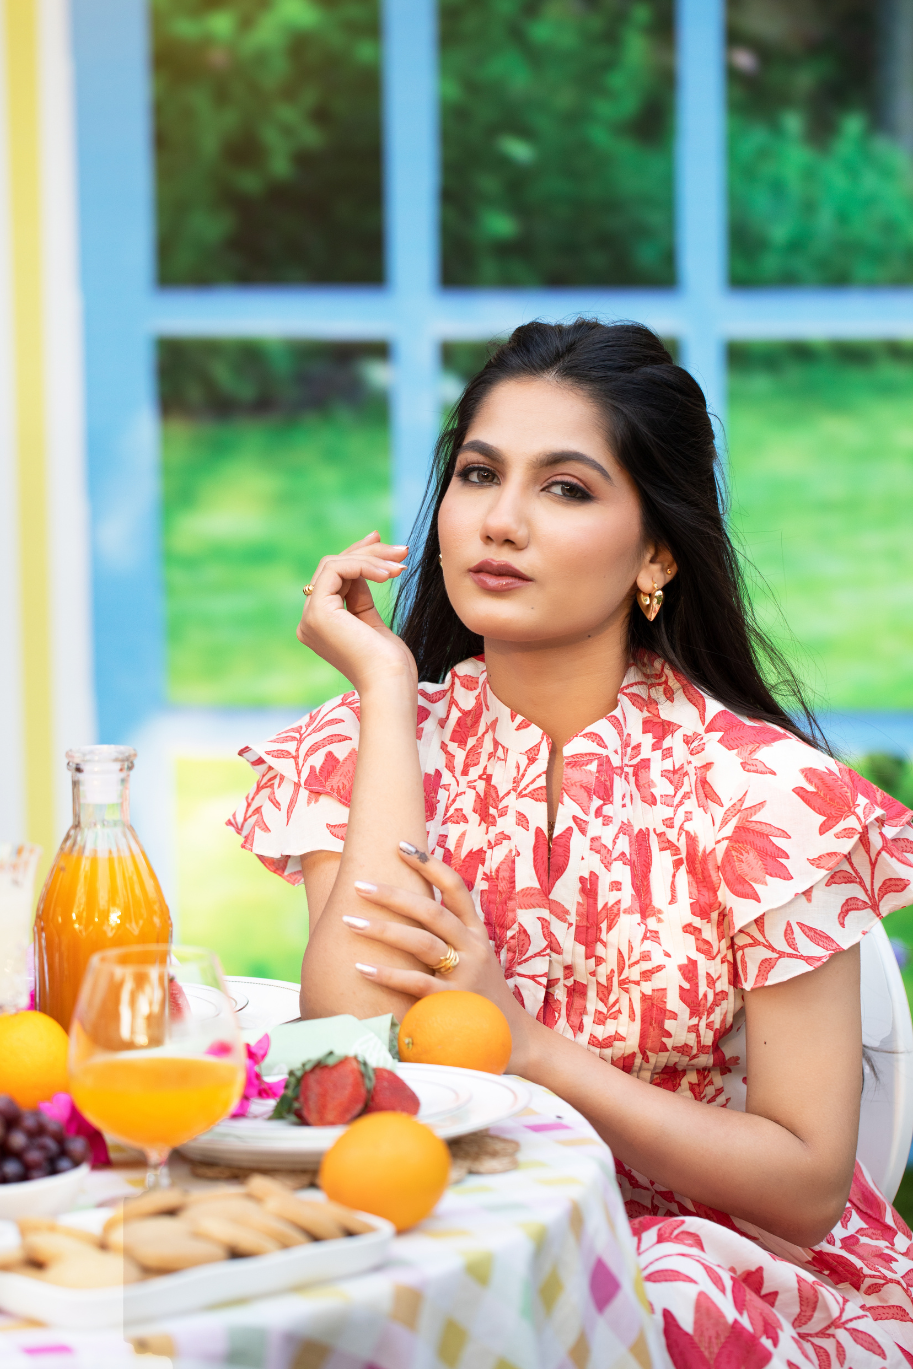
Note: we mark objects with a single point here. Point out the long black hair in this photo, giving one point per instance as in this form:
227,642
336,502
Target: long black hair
660,432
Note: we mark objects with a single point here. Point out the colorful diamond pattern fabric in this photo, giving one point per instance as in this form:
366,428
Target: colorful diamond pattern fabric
533,1269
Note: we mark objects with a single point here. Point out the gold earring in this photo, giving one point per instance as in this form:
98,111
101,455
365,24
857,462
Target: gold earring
440,559
650,604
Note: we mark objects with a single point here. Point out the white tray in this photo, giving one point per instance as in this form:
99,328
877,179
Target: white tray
171,1295
454,1103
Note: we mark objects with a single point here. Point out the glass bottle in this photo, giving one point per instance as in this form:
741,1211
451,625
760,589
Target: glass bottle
18,868
101,891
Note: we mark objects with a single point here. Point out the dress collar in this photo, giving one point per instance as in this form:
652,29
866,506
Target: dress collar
516,733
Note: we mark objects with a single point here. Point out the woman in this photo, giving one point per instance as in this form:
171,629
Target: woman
640,856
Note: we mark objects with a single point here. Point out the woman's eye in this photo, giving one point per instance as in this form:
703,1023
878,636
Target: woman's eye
567,489
478,475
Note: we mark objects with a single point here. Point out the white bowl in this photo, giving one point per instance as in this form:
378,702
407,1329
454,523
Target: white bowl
42,1197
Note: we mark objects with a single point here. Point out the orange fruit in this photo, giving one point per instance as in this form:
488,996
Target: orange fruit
389,1164
456,1028
33,1057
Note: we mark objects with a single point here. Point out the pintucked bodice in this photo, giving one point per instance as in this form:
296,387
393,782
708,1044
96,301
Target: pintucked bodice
695,854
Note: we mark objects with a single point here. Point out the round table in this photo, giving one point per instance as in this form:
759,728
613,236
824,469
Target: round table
532,1269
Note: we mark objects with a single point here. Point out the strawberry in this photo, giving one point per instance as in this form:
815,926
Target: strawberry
177,1001
331,1095
391,1094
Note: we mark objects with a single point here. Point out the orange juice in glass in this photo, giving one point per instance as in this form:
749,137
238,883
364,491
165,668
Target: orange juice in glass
156,1056
101,891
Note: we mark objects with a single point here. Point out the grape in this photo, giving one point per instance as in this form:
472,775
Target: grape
9,1110
32,1122
77,1148
33,1146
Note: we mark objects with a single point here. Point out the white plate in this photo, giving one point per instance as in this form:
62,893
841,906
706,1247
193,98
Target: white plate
173,1295
493,1098
454,1102
277,1145
262,1003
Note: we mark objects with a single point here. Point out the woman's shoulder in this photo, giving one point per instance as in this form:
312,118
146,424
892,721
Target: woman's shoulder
761,760
318,750
783,813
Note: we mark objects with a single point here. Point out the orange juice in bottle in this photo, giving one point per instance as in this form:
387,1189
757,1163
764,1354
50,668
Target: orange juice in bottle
101,891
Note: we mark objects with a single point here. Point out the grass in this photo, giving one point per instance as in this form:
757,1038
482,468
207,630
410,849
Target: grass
822,473
255,922
250,507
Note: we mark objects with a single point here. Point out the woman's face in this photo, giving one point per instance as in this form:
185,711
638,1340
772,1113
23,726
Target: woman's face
540,528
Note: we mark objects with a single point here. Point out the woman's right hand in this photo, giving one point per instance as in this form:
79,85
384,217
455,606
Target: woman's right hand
341,623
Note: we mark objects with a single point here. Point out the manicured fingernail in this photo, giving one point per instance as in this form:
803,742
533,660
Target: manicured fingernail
368,970
409,850
364,887
359,922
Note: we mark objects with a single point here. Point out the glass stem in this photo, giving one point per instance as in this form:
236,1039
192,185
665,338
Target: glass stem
157,1173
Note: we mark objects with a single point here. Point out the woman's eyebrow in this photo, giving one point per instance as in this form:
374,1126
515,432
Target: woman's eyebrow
483,448
550,459
559,458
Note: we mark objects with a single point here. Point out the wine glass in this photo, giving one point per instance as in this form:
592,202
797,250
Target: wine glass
156,1055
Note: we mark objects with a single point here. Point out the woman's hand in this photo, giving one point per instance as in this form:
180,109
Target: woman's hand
454,923
341,623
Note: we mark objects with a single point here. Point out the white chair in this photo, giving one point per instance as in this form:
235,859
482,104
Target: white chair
886,1118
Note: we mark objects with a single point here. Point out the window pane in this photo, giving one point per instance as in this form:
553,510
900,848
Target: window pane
220,885
821,143
557,142
267,140
821,439
274,454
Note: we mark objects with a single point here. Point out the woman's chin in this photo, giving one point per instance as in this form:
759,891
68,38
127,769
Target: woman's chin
513,630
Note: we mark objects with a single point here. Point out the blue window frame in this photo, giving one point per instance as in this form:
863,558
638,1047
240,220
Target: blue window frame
126,312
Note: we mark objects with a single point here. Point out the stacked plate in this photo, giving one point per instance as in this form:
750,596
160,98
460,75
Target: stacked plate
453,1102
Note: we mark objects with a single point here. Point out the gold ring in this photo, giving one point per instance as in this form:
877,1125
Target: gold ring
308,589
447,963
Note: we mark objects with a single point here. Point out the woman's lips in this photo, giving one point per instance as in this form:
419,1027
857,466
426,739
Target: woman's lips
498,575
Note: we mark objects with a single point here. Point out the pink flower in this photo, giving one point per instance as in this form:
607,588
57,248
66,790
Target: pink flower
255,1085
63,1110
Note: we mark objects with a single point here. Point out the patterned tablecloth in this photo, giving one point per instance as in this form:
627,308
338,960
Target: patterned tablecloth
533,1269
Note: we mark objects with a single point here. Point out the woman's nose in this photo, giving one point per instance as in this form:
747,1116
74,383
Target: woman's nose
505,519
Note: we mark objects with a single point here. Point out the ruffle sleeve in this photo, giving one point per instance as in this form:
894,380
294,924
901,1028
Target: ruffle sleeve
810,854
300,801
801,934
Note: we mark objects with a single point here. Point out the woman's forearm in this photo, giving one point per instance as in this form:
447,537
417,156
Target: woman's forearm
736,1162
387,807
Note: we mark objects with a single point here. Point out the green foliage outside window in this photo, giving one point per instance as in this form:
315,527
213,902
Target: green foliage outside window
557,124
557,142
267,140
801,213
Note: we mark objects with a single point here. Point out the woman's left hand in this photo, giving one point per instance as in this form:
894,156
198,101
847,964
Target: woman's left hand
453,922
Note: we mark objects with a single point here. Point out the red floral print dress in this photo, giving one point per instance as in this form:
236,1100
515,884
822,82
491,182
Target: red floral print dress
696,854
